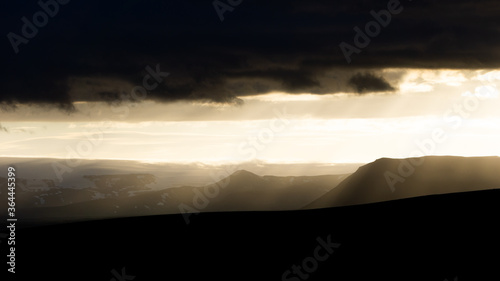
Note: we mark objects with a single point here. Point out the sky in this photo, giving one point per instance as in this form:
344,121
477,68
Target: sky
224,82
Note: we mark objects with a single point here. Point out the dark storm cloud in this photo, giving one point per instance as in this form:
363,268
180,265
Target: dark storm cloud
98,50
369,82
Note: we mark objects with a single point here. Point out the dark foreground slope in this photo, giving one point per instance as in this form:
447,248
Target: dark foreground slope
428,238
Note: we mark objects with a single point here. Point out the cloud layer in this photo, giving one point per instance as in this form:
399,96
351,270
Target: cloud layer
99,51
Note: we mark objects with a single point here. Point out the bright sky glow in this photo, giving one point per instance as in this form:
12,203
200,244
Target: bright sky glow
279,128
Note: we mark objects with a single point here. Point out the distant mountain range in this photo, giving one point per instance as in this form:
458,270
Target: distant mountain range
127,195
32,193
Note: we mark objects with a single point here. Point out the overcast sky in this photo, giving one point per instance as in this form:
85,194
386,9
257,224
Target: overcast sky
171,81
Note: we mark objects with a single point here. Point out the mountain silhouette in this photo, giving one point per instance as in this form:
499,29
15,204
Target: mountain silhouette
241,191
391,179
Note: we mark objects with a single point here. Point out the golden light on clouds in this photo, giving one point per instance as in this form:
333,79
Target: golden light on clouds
278,127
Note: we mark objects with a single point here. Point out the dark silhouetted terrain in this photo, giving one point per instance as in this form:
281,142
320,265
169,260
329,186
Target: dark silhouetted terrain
436,237
433,238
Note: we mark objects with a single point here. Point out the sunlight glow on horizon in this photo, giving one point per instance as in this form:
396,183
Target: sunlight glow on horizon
280,127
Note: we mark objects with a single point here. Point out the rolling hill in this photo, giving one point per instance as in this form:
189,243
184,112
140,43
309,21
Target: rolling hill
391,179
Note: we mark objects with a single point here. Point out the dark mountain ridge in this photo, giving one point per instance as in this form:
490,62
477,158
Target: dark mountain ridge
390,179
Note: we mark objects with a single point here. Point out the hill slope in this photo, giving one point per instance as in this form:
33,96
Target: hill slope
429,238
390,179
